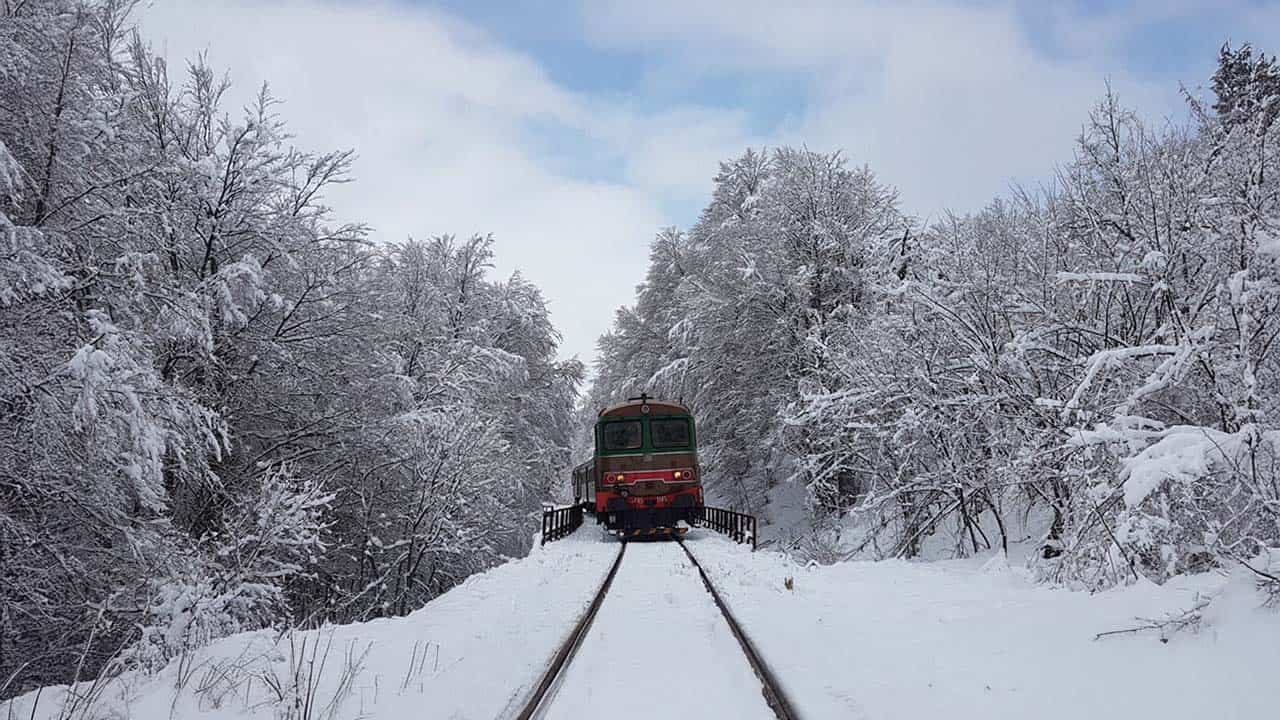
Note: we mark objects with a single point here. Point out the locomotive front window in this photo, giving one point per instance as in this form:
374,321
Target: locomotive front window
669,433
622,435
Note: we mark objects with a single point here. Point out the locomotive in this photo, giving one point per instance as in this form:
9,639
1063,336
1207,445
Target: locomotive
643,478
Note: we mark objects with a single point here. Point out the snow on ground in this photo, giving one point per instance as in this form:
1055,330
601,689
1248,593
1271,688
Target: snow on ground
468,654
659,648
957,639
783,514
975,639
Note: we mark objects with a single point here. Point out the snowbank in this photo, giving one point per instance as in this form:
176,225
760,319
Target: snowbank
969,638
467,654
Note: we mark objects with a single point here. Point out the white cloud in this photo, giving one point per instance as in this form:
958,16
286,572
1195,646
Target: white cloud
435,111
675,153
949,103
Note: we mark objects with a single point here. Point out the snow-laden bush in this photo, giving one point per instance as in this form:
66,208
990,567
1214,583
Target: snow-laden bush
268,540
1192,499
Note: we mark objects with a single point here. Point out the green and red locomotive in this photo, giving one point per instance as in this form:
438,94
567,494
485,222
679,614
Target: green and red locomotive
643,478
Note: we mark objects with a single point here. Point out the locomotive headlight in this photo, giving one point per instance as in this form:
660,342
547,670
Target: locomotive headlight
677,474
620,477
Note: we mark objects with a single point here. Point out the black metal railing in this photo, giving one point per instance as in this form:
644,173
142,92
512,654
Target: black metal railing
559,522
739,526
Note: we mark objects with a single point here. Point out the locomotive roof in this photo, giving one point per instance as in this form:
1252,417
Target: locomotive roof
633,406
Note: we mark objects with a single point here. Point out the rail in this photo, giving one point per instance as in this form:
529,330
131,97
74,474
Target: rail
535,704
769,685
571,644
559,522
739,526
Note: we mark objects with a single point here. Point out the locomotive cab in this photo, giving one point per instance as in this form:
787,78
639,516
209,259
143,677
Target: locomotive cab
643,478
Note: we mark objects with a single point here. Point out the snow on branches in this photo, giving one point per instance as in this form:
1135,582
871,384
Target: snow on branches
222,408
1091,366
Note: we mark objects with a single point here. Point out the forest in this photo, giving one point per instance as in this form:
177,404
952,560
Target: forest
1093,358
222,407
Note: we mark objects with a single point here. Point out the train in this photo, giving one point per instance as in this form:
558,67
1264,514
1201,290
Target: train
643,478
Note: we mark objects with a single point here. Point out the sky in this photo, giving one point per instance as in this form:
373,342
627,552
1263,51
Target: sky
575,131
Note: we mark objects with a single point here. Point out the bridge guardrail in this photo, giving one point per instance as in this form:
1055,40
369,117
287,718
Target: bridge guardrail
739,526
559,522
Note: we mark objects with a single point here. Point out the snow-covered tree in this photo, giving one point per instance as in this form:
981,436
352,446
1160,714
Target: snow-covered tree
1090,366
738,316
222,408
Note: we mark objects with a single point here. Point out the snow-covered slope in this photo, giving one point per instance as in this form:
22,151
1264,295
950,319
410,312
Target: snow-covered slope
467,654
977,639
956,639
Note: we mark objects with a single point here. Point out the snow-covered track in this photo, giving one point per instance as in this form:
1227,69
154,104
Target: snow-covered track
769,685
542,691
651,591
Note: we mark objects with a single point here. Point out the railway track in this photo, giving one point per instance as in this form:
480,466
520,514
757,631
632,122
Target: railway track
769,685
542,692
540,699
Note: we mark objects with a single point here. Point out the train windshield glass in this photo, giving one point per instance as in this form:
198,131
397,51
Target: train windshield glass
669,433
621,435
